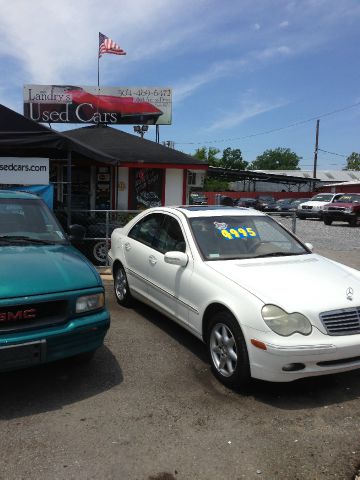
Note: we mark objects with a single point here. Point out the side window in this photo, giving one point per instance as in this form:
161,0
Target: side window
171,237
147,230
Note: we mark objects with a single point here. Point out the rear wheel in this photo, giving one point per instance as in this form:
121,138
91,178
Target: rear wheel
121,287
227,350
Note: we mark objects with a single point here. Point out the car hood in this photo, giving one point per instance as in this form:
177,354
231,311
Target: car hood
314,204
303,283
37,269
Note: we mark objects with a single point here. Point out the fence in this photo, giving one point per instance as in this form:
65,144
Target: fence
99,225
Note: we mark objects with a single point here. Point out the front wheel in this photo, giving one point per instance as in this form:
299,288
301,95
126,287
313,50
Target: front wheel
227,350
354,221
121,288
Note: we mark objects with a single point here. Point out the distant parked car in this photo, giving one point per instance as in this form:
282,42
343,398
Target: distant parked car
246,202
345,209
315,206
276,205
291,207
226,201
198,198
264,200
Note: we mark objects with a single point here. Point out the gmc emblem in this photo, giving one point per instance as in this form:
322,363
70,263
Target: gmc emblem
19,315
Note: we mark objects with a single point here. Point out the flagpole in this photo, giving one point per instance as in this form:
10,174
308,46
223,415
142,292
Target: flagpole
98,91
98,69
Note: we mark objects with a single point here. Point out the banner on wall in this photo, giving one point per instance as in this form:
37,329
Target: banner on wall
46,192
24,171
110,105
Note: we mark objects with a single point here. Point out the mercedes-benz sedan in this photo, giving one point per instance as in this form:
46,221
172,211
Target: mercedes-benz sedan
263,303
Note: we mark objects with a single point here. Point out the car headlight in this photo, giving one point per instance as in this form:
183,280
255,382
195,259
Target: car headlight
90,302
348,210
284,323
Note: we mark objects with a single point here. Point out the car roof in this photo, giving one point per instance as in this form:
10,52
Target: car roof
16,194
207,211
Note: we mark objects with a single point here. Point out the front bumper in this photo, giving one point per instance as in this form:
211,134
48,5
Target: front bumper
309,213
80,335
339,216
315,355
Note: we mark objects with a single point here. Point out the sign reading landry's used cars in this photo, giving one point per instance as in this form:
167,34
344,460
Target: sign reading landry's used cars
112,105
24,171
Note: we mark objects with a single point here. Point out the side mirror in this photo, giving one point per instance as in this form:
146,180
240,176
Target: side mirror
309,246
176,258
77,233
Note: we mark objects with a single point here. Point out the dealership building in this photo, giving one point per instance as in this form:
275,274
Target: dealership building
97,166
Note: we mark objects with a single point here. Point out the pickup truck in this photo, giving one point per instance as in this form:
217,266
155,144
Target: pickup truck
344,209
52,302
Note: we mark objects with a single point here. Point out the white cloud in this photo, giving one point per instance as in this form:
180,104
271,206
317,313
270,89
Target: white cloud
284,24
256,26
247,108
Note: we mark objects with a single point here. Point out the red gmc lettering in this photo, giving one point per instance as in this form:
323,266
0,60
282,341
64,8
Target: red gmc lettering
19,315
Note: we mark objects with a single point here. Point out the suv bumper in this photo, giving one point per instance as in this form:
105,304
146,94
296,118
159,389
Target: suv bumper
80,335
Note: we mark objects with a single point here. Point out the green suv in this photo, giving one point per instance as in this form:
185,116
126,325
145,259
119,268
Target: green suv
51,298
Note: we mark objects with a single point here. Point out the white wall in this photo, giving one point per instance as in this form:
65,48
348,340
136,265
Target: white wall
173,186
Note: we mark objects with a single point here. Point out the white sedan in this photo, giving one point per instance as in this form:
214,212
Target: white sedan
264,304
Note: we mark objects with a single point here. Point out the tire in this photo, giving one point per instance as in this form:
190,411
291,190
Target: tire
227,350
99,252
327,221
354,221
121,288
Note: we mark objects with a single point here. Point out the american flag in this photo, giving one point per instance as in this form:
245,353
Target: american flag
106,45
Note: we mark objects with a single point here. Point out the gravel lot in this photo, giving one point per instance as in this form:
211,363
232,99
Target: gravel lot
335,241
148,408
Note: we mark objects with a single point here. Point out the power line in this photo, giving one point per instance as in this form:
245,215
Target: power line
273,130
333,153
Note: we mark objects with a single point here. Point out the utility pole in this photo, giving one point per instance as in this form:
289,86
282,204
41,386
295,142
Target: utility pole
316,147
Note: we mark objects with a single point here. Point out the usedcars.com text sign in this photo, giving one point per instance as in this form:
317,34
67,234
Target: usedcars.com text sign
24,171
112,105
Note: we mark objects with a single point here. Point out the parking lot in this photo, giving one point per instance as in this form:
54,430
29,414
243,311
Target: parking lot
148,407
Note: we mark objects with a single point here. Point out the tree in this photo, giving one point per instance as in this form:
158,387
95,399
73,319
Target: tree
232,158
208,155
276,159
353,161
215,184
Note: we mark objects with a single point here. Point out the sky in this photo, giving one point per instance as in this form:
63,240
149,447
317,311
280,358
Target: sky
247,74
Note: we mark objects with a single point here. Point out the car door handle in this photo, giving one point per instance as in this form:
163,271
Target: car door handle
127,246
152,260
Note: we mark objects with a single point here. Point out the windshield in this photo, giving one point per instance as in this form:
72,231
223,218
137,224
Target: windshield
349,199
24,220
239,237
322,197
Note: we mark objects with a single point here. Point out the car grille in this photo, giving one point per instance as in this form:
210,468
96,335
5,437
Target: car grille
306,207
336,209
42,314
342,322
